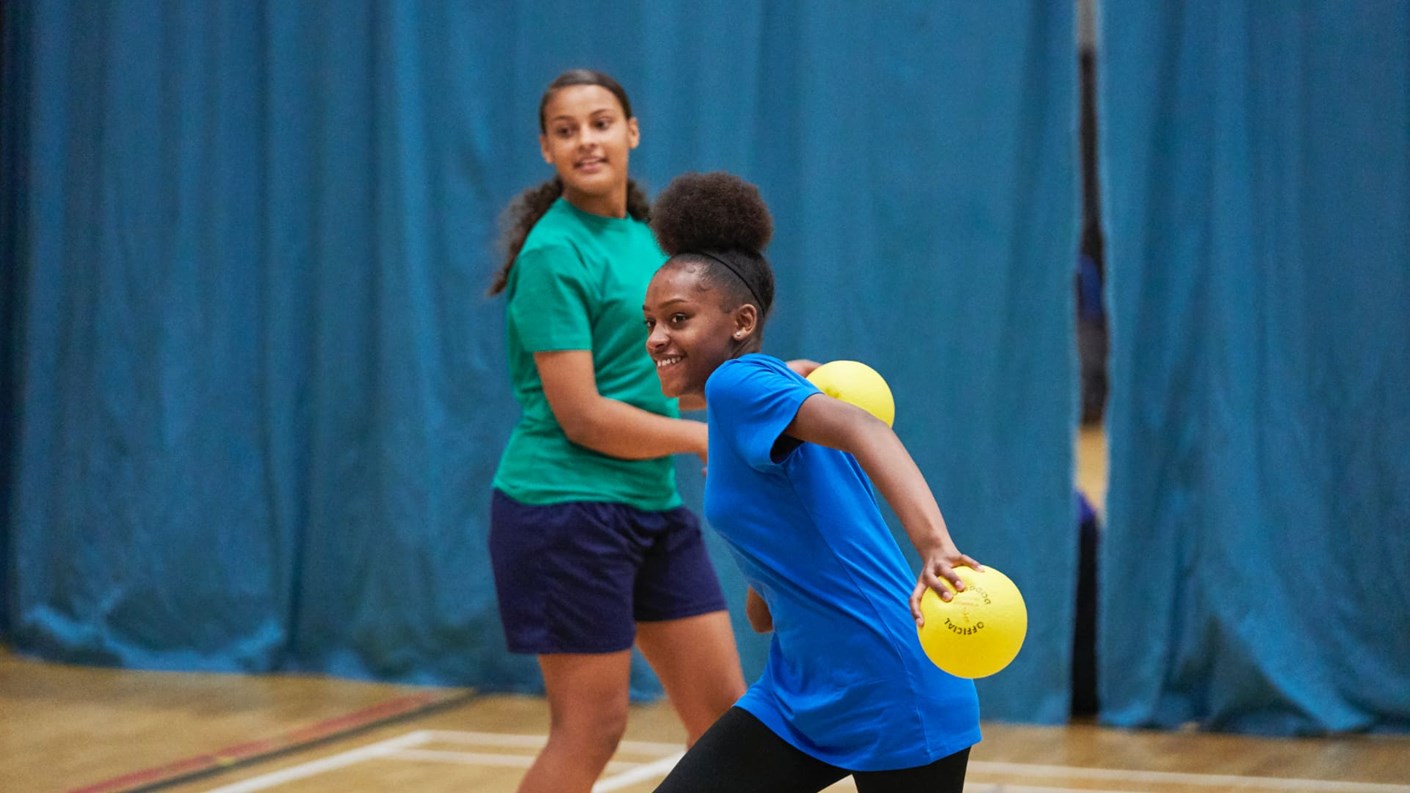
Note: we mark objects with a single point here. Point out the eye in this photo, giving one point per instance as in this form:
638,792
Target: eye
604,123
649,323
678,317
563,131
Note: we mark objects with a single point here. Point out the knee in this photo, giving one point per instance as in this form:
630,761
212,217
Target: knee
593,734
610,727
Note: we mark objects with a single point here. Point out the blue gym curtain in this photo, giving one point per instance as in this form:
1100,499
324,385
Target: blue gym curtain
255,394
1256,567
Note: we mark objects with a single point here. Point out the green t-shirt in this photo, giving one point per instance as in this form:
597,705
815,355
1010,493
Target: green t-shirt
578,284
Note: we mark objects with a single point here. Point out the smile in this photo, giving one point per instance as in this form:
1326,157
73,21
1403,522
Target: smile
662,363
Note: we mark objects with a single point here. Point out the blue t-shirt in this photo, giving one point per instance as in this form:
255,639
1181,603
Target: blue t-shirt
846,681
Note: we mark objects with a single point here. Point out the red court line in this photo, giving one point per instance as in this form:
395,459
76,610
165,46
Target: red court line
221,759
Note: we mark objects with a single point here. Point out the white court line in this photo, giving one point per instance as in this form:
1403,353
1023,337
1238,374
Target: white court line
519,741
652,770
1224,781
323,765
480,758
1007,788
635,772
1003,787
404,747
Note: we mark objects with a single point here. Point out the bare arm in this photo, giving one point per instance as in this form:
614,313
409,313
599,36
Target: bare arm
609,426
757,610
803,366
838,425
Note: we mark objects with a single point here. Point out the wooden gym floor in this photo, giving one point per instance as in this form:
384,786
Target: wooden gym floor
67,728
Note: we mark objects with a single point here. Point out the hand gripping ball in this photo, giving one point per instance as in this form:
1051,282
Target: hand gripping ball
858,384
978,632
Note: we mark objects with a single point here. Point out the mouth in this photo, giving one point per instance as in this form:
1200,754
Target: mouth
590,163
667,362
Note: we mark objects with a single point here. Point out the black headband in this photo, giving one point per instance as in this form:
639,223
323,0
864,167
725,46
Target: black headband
737,274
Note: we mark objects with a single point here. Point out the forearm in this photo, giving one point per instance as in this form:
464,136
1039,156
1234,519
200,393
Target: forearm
617,429
609,426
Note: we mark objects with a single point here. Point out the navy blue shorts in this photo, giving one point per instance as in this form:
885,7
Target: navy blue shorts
577,577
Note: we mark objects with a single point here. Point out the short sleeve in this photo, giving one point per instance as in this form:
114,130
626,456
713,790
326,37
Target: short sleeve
752,402
550,306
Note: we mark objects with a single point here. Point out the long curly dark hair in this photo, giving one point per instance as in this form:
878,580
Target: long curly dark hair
719,222
528,207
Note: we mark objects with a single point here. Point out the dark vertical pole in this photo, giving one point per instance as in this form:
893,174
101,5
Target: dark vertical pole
1091,270
14,98
1092,355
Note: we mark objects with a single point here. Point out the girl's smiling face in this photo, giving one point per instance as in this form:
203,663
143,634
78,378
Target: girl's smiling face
587,138
690,332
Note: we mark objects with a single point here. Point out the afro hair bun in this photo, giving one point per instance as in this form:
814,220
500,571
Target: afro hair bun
711,212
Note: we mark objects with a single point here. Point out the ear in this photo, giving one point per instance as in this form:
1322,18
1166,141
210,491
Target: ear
543,149
633,133
746,320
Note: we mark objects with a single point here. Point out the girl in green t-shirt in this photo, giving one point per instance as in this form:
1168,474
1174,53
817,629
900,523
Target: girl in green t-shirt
592,550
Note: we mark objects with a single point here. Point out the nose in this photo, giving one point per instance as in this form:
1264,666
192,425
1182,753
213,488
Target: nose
657,338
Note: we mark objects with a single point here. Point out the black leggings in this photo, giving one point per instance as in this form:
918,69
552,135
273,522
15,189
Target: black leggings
740,755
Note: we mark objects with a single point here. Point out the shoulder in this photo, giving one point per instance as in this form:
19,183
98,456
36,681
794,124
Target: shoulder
554,245
750,402
742,368
753,373
556,228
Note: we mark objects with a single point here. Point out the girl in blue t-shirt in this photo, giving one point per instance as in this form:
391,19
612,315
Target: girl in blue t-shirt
847,688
